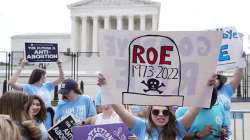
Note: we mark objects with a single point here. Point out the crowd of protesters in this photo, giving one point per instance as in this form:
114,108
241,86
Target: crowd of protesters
25,115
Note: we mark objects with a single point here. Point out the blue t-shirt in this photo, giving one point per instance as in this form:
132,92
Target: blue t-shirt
43,91
135,109
214,117
81,108
98,101
140,130
224,96
44,131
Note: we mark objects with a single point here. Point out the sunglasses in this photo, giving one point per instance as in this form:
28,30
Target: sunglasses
157,112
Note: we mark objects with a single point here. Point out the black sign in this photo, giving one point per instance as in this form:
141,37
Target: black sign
62,130
41,52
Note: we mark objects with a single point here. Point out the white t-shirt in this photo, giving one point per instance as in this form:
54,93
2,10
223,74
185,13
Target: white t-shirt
100,119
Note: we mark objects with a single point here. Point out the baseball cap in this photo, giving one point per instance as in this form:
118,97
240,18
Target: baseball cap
67,85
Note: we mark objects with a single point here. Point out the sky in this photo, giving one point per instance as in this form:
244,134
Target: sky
53,16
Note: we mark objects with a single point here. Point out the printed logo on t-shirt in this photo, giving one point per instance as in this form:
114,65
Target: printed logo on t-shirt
218,120
78,112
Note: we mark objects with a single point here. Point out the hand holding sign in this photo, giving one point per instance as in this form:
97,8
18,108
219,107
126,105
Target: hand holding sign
23,62
242,61
59,62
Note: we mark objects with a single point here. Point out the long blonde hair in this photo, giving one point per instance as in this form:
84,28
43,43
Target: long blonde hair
16,104
8,129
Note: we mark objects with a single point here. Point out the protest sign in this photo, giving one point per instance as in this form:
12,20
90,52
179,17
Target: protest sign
62,130
117,131
158,68
231,49
41,52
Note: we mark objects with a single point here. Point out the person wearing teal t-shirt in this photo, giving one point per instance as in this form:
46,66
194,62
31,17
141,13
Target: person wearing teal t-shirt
98,102
80,107
37,85
160,124
210,124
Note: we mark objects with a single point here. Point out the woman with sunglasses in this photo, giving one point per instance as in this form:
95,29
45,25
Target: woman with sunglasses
161,123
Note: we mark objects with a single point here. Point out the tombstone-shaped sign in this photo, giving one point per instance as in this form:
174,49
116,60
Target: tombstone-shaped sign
157,67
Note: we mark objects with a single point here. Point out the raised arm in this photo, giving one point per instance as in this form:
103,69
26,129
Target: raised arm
189,117
192,112
61,74
126,116
13,79
238,74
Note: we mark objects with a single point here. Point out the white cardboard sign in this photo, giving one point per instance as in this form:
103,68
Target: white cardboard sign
231,49
158,68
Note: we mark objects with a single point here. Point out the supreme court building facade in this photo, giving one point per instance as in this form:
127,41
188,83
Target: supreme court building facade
87,17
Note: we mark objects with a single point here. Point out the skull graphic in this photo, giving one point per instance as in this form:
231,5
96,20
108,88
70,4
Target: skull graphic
153,85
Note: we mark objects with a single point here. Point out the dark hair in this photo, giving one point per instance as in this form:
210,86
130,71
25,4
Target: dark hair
36,75
15,104
76,89
169,131
214,97
41,116
222,80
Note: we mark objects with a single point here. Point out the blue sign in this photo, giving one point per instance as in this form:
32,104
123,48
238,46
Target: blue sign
41,52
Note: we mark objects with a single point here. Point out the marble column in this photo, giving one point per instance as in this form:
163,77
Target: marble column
119,22
154,22
142,22
84,39
75,34
106,22
95,30
130,23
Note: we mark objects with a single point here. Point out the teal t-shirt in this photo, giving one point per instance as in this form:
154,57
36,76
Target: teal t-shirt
81,108
98,101
224,96
44,91
140,130
214,117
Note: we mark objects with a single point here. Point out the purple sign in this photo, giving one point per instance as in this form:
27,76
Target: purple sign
117,131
